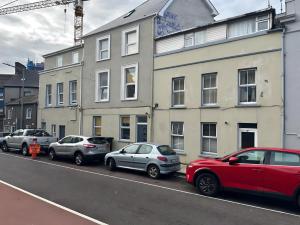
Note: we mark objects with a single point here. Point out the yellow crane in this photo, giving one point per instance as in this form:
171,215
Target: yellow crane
78,12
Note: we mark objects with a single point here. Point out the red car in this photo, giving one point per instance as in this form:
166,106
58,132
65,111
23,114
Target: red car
259,170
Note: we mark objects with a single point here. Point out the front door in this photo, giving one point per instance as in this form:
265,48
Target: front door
62,131
142,129
247,138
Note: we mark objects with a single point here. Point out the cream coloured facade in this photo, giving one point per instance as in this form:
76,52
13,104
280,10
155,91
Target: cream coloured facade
215,98
59,93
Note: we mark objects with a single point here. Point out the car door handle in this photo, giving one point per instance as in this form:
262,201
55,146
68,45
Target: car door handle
147,157
131,156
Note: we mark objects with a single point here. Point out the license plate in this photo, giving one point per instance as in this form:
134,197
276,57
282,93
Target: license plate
174,161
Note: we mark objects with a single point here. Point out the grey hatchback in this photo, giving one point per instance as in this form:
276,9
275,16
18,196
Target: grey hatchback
80,148
151,158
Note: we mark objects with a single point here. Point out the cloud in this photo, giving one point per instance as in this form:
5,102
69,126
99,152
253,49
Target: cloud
32,34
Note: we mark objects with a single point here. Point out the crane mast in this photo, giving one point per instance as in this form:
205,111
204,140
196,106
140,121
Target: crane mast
78,16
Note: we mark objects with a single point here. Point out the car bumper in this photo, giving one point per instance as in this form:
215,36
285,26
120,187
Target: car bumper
169,168
96,156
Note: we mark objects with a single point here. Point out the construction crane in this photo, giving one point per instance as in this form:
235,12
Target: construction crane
78,9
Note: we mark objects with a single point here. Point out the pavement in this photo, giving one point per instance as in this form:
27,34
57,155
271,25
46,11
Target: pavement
131,198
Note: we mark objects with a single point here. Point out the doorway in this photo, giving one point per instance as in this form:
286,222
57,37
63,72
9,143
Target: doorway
142,128
247,136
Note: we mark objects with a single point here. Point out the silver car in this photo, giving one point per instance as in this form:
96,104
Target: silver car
80,148
151,158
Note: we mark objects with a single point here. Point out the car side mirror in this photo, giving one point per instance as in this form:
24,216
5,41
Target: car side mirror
123,151
233,160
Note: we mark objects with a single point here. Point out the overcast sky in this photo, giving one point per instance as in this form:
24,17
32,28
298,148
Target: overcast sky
34,33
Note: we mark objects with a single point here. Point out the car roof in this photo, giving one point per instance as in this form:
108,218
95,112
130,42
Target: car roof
276,149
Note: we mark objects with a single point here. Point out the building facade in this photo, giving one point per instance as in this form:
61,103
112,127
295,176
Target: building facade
59,97
3,79
218,88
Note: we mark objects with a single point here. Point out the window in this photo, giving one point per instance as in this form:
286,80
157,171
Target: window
189,40
284,159
145,149
48,95
60,94
252,157
209,89
141,128
27,93
131,149
247,86
43,126
28,113
59,61
27,126
53,130
130,39
97,126
9,114
103,48
177,136
73,92
200,37
102,89
262,23
66,140
241,28
75,57
125,128
129,88
209,138
178,92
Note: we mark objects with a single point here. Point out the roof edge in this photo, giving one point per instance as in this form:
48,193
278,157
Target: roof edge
63,50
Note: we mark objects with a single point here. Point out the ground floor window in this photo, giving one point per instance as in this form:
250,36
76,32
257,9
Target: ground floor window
177,136
43,126
125,128
142,128
53,130
97,126
209,138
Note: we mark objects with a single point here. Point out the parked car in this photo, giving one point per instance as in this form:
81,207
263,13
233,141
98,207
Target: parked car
80,148
267,171
2,137
151,158
20,140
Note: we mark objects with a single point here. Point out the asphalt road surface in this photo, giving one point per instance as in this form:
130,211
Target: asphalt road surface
131,198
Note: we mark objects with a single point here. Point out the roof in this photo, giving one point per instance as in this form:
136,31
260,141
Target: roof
4,78
146,9
31,80
72,48
32,99
297,151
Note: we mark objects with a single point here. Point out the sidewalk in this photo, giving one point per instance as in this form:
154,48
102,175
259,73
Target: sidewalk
18,208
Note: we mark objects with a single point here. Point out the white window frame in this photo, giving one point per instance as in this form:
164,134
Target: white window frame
94,125
247,130
177,91
208,137
28,113
59,93
125,127
246,85
187,37
59,61
71,92
53,130
258,20
124,84
124,40
48,95
98,87
98,52
210,88
177,135
75,55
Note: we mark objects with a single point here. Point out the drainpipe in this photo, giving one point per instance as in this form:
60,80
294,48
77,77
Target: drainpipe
152,80
80,89
283,56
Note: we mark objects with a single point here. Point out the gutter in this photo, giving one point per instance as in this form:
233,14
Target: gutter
283,57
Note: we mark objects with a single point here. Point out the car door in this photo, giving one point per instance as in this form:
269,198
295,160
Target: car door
60,149
11,139
248,173
19,139
282,173
72,147
142,157
126,156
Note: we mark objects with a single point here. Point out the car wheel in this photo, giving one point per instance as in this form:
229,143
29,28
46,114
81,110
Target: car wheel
5,147
153,171
52,154
79,160
298,201
111,164
208,184
24,150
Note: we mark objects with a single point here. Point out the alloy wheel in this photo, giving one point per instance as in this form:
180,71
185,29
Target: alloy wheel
153,171
52,155
208,185
79,159
24,150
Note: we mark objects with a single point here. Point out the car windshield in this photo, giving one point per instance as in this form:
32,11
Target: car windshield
37,133
166,150
97,141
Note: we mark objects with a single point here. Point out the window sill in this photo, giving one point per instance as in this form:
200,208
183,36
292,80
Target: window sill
73,105
124,141
129,99
102,60
209,107
209,155
130,54
103,101
178,107
179,152
248,106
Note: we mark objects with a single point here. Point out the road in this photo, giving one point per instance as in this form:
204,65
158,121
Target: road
130,198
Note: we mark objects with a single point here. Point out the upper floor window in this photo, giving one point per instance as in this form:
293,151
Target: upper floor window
189,40
130,41
200,37
9,114
102,86
262,23
73,92
75,57
241,28
59,61
48,95
247,86
209,89
178,91
129,82
60,94
28,113
103,48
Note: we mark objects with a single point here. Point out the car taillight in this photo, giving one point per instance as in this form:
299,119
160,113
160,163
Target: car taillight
89,146
162,158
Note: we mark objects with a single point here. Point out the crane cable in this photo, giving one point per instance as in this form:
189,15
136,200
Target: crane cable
8,3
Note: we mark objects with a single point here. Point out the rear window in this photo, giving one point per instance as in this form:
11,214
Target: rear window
37,133
97,141
166,150
284,159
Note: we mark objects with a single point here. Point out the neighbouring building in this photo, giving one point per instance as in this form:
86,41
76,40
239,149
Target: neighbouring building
291,71
59,95
117,88
218,88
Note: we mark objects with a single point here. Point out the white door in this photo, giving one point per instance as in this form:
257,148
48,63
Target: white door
247,138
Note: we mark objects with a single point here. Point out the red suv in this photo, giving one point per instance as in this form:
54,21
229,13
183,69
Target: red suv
259,170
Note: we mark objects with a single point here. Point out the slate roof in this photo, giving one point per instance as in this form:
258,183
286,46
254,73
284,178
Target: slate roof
32,99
